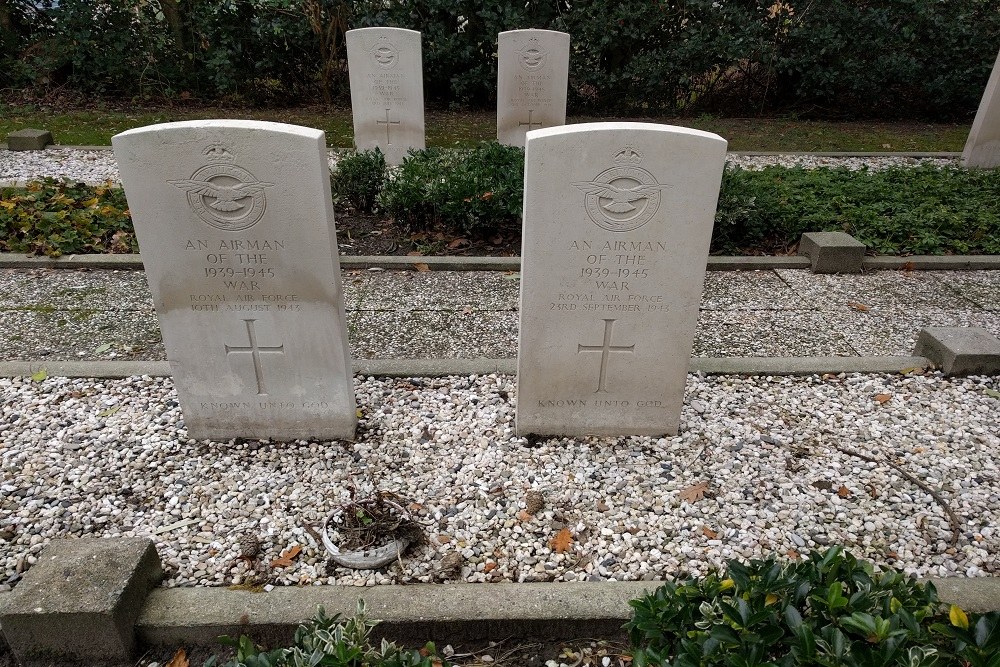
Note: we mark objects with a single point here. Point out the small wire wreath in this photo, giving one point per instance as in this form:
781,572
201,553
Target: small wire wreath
362,524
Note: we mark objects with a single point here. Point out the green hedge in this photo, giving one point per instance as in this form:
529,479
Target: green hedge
833,58
478,192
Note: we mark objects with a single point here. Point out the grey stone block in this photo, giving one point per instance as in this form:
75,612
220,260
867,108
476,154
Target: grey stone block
833,252
960,350
80,601
29,140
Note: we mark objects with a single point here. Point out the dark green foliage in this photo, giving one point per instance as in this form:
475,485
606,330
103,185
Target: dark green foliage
329,641
831,58
924,210
53,217
830,610
359,178
476,192
900,211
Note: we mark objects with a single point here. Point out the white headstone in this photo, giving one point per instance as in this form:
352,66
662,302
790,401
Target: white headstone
982,149
385,66
532,75
617,224
235,227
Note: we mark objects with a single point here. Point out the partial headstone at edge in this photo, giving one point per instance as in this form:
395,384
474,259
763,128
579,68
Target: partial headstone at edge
385,67
982,149
617,223
235,227
532,76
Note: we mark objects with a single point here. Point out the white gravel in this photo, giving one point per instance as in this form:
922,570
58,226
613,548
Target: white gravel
111,457
98,166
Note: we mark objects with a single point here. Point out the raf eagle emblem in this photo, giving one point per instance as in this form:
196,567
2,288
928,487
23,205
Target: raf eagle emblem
621,198
226,196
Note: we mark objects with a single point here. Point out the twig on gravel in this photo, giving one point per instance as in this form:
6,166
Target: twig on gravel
953,520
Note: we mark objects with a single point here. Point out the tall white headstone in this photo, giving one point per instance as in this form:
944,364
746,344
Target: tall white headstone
617,224
385,66
235,227
982,149
532,76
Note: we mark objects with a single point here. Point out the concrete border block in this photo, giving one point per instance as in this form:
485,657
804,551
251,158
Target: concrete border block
28,140
833,252
79,603
960,350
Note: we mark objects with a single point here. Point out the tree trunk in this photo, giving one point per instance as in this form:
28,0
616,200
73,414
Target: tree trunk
173,15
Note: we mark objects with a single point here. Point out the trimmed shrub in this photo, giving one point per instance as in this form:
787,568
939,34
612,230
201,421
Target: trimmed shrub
476,192
359,179
828,610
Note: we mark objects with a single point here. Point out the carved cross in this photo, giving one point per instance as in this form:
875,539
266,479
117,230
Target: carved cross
255,351
529,123
387,123
606,348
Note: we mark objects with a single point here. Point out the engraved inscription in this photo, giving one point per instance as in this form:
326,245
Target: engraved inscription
255,351
606,348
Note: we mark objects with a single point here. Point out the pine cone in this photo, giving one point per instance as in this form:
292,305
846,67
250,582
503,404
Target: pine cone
249,546
534,501
450,565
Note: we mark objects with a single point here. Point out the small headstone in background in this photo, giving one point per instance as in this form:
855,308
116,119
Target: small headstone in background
28,140
532,76
617,223
982,149
235,227
385,66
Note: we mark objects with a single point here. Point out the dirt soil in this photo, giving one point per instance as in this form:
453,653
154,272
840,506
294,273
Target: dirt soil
359,234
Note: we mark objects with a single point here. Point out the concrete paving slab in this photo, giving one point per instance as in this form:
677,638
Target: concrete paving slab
43,333
894,331
432,333
749,290
875,290
431,290
79,289
769,333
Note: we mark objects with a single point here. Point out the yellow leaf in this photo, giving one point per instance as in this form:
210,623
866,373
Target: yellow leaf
727,584
90,202
958,617
771,599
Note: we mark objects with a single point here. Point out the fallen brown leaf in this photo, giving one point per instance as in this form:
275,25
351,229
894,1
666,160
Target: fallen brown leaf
709,533
562,541
489,567
793,554
287,558
420,266
524,515
844,492
882,398
444,539
457,243
858,306
414,253
694,492
179,659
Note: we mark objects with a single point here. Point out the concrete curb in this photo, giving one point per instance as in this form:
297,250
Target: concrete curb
393,263
455,614
443,367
